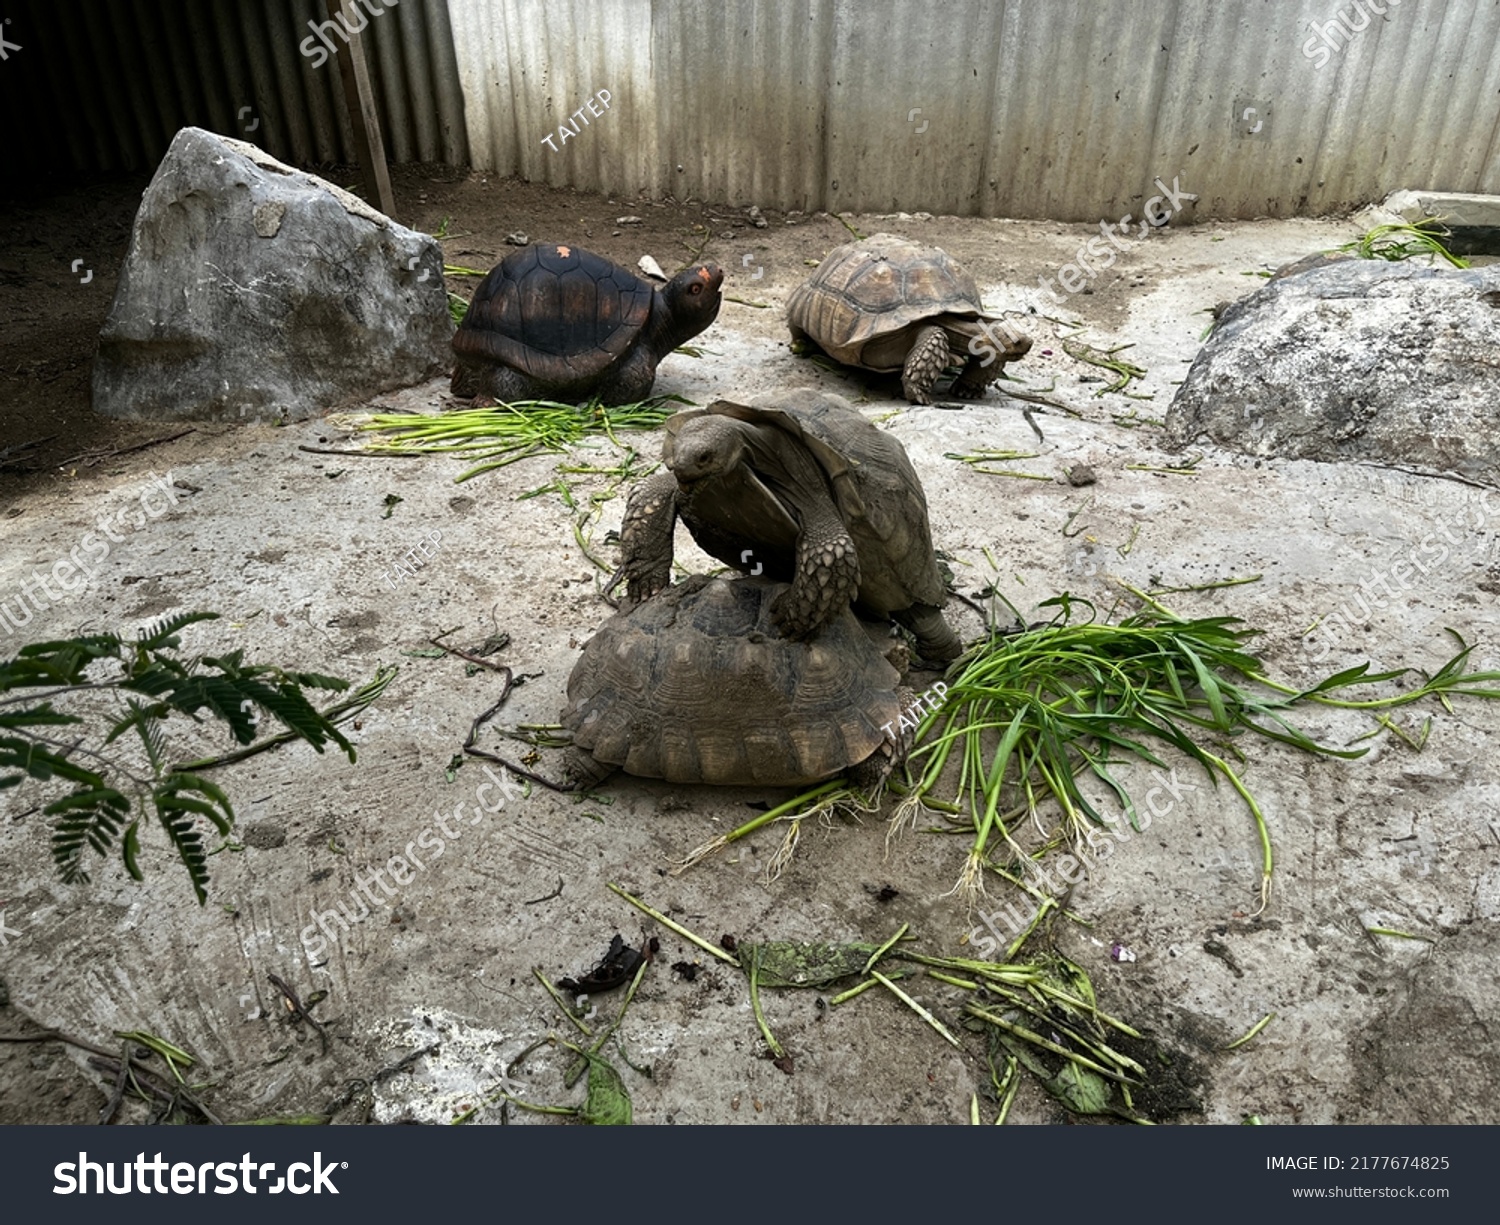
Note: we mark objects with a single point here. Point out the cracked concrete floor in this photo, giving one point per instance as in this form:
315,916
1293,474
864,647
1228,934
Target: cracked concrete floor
291,547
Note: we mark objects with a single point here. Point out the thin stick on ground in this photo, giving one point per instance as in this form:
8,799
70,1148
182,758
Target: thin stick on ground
712,949
917,1008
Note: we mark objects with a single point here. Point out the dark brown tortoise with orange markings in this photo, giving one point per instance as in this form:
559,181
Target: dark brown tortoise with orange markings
554,322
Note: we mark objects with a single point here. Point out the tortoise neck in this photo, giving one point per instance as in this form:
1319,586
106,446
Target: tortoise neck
669,329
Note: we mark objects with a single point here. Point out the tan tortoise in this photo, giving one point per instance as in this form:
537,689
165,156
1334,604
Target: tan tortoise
696,686
885,303
798,487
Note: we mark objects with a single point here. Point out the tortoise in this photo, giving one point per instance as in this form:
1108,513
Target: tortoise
696,686
801,488
885,303
558,322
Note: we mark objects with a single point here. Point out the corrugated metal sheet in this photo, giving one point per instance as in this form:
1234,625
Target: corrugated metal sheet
1032,108
1022,108
104,86
526,66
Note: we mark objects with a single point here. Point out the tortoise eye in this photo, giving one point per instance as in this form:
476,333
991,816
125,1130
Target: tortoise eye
695,288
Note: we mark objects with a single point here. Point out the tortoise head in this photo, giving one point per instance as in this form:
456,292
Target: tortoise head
693,298
706,446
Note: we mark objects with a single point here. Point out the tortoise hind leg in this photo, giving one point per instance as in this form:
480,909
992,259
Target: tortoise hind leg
928,358
935,637
583,771
475,379
646,536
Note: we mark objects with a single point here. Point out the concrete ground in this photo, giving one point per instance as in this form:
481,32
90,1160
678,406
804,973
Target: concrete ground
292,548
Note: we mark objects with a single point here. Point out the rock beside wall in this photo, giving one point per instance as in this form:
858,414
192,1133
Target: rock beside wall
253,291
1355,360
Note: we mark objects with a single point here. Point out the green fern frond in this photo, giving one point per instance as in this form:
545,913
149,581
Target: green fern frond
39,762
316,680
155,684
184,836
163,633
297,713
92,817
38,716
217,809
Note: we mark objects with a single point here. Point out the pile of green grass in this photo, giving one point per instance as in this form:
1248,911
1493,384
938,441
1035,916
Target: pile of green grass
1400,241
505,433
1031,716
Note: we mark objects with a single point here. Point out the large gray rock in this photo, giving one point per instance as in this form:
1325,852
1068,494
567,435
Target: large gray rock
254,291
1355,360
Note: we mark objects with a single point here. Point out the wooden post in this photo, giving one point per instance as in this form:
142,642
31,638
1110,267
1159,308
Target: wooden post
354,72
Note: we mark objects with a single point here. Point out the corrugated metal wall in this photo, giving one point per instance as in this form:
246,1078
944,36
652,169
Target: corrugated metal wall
1022,108
1032,108
104,85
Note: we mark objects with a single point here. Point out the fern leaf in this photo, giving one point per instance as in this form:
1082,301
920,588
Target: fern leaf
298,714
42,763
163,633
316,680
130,849
185,837
195,782
92,817
38,716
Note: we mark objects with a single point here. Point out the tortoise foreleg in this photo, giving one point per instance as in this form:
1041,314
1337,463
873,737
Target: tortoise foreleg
646,536
1000,344
827,574
928,358
975,379
868,776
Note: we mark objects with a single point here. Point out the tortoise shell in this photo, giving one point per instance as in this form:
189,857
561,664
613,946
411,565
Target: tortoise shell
555,313
872,482
695,685
868,299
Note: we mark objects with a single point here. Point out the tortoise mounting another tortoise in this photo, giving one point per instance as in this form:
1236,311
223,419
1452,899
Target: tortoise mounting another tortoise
798,487
557,322
885,303
696,686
